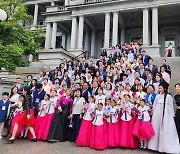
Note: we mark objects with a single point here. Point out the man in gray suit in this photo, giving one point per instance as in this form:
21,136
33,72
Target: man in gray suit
19,85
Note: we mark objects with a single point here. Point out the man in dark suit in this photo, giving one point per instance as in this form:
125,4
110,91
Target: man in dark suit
142,71
82,64
146,58
149,80
85,91
153,68
19,85
65,78
94,89
101,59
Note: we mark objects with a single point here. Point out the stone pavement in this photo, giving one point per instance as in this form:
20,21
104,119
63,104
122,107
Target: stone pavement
27,147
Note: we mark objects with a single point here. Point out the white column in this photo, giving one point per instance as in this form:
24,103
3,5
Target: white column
115,29
145,27
47,39
54,31
107,30
80,33
87,41
93,42
155,26
66,2
73,32
35,15
122,35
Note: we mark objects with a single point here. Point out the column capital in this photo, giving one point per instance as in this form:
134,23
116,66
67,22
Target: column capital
114,12
145,9
154,7
107,13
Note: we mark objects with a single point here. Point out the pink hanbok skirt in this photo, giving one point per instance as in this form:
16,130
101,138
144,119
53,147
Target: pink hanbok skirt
98,137
113,134
143,130
127,139
84,133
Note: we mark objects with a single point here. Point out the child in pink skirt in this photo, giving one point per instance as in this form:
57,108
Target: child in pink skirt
50,113
143,128
127,139
86,125
98,137
113,125
40,122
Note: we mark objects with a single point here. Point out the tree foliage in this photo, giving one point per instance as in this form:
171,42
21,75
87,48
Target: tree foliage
14,39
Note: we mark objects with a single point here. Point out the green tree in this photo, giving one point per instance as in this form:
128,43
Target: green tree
14,39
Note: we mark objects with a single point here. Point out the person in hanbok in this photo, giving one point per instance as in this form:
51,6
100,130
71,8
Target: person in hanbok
126,138
59,130
49,114
113,125
76,115
143,128
98,137
100,98
40,121
166,137
85,130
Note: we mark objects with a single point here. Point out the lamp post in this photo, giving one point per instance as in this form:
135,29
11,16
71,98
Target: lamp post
3,15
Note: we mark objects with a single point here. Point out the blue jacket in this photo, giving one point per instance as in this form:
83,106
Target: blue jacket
4,110
152,98
146,59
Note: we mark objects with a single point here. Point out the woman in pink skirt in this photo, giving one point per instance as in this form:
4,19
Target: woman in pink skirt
127,139
143,128
113,125
98,137
86,125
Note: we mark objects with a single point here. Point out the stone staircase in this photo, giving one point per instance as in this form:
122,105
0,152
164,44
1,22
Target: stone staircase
174,63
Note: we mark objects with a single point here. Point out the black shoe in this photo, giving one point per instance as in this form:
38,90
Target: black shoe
34,140
10,141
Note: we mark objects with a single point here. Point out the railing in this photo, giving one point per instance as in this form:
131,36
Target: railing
94,1
62,8
75,58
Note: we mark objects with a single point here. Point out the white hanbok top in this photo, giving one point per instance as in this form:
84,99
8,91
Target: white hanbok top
14,98
89,111
113,115
52,105
126,116
144,115
98,120
43,107
100,99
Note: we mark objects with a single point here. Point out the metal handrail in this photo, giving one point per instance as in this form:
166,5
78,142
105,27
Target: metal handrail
77,56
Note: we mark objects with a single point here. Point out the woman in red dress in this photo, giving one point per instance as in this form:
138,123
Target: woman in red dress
27,117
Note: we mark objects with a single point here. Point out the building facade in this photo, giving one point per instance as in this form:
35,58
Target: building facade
91,25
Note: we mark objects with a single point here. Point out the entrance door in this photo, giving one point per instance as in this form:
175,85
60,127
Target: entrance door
169,40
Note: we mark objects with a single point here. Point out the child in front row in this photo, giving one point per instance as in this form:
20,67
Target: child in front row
86,125
98,137
143,128
4,106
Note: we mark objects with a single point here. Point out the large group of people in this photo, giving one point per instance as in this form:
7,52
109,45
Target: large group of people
120,100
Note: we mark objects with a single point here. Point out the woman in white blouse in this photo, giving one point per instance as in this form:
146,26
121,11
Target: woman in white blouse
77,110
14,99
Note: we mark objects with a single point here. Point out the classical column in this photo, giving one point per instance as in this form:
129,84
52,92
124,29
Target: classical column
66,2
47,39
54,31
80,32
68,41
115,29
155,26
93,41
73,32
122,35
145,27
107,30
35,15
87,41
